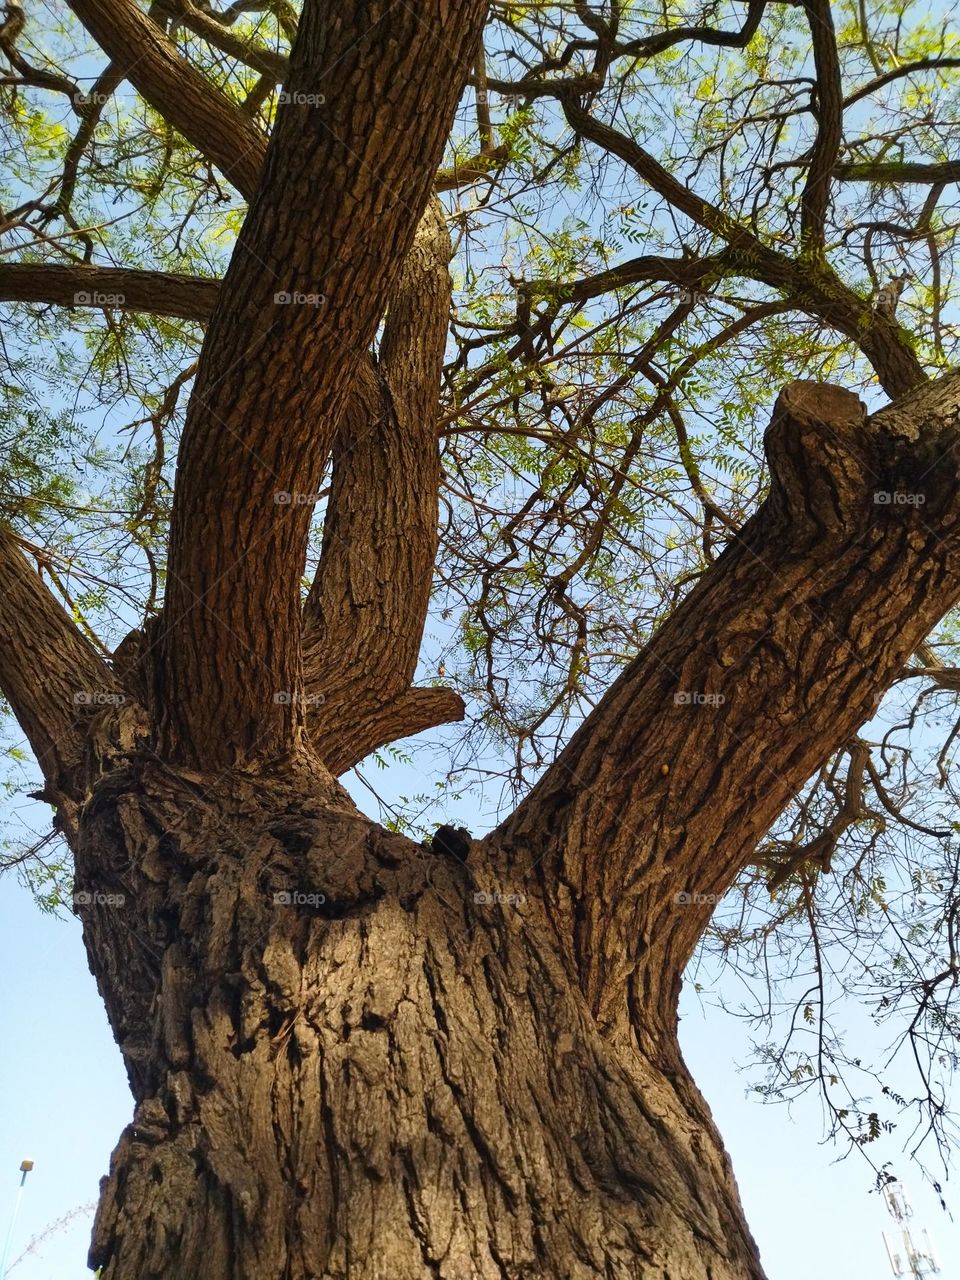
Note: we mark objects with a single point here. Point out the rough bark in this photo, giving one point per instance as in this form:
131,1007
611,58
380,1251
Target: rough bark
409,1066
399,1080
773,660
352,1056
112,288
343,190
366,610
51,676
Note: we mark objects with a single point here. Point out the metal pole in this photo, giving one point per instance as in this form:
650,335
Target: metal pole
25,1167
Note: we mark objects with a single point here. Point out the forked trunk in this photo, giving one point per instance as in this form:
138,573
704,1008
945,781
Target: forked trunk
352,1057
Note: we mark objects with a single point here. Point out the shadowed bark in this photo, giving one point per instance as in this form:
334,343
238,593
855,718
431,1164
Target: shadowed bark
112,288
367,607
530,993
349,1064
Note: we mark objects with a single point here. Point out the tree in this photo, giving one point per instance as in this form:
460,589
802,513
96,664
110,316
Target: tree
352,1054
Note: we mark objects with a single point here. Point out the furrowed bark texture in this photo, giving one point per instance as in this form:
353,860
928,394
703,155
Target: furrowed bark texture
354,1057
344,186
774,659
366,610
347,1066
52,678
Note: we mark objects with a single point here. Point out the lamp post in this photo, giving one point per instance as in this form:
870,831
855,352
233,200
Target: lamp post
25,1167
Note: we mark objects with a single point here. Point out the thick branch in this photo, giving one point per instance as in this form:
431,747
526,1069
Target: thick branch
220,36
219,129
538,84
689,273
175,88
322,245
112,288
648,46
49,674
828,111
368,604
771,663
470,170
895,73
898,171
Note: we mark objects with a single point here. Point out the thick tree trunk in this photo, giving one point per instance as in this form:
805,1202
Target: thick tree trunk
352,1058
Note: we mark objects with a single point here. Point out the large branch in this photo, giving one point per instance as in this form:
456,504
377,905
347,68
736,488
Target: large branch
344,187
648,46
771,663
49,674
217,127
368,604
245,49
112,288
828,112
175,88
898,171
895,73
193,297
